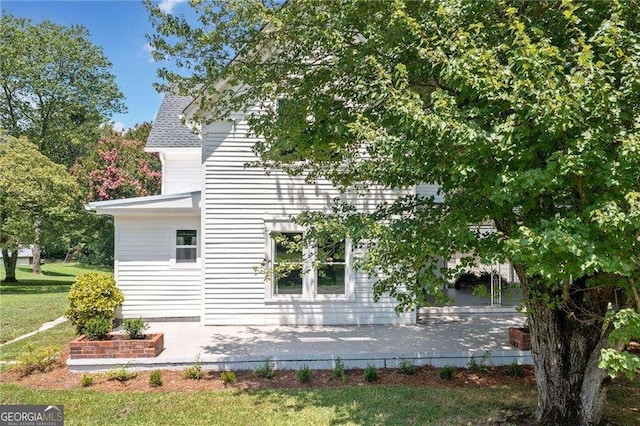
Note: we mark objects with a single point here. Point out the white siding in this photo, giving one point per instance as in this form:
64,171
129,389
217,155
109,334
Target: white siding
181,171
236,201
154,286
429,190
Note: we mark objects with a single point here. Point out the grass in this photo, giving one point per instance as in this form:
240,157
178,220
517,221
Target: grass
58,336
34,300
345,405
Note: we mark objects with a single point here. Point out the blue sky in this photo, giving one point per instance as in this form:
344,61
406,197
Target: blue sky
119,27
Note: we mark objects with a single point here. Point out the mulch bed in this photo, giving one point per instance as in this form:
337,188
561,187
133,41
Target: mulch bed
61,378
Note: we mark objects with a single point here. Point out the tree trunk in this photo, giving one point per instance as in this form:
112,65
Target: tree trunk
37,260
571,388
10,260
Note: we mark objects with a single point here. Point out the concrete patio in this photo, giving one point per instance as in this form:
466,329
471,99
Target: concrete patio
445,338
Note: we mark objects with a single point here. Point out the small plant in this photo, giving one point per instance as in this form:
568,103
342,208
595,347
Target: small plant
121,375
97,328
193,372
479,367
515,370
266,370
155,378
92,295
407,367
36,359
370,374
228,377
134,328
338,370
86,380
304,374
447,372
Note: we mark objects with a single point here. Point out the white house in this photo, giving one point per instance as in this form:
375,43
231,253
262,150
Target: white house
25,256
192,252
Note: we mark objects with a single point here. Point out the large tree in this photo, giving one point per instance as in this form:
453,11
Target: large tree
56,88
526,114
117,168
33,189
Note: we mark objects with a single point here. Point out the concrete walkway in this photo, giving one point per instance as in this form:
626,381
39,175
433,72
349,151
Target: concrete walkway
442,340
43,327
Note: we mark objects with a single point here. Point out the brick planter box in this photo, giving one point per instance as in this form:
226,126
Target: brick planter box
117,346
520,338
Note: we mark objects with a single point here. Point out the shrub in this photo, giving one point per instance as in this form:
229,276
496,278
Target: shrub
92,295
134,328
515,370
36,359
447,372
193,372
407,367
86,380
228,377
97,328
266,370
121,375
370,374
338,370
155,378
304,374
479,367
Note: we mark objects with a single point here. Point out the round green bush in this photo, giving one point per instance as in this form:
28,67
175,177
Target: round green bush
92,295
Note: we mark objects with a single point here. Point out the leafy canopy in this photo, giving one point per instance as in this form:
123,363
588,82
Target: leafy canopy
56,86
32,188
525,116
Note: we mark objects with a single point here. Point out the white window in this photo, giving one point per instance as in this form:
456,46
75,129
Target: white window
186,246
306,273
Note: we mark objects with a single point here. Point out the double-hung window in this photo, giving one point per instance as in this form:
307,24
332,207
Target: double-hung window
306,273
186,246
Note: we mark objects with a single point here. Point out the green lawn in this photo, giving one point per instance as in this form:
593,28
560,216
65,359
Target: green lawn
25,305
58,336
362,405
347,405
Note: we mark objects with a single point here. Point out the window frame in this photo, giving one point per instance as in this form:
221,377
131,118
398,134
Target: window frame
175,246
309,272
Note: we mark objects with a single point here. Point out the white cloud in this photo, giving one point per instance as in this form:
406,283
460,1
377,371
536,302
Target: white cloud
167,6
118,126
148,52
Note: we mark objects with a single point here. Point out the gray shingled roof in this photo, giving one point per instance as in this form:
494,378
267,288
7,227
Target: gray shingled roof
167,130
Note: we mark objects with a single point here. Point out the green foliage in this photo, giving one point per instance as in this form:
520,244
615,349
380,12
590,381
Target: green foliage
515,370
407,367
447,372
86,380
155,378
524,116
34,359
266,370
193,372
92,295
97,328
626,324
304,374
228,377
121,375
479,367
134,328
33,189
57,86
338,370
370,374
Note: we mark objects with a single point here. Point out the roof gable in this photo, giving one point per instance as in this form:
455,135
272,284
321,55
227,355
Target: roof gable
168,130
